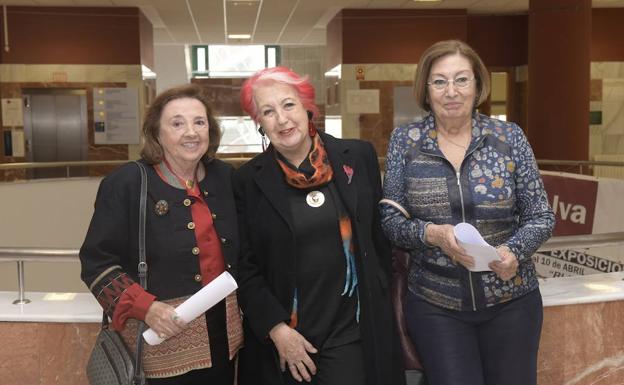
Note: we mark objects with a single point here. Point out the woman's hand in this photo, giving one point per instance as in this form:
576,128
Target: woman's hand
163,319
293,350
443,237
507,267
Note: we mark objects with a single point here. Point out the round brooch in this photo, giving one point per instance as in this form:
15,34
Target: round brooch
161,207
315,199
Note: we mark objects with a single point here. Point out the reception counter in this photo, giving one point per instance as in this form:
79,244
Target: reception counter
582,337
48,340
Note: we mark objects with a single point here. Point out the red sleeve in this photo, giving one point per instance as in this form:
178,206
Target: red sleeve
133,303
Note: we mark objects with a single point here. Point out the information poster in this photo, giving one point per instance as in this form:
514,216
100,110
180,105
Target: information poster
12,112
17,140
116,115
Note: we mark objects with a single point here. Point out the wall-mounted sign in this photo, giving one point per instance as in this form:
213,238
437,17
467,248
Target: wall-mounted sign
116,115
360,73
12,112
17,140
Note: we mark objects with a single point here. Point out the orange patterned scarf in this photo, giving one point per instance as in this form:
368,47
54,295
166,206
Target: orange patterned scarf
323,172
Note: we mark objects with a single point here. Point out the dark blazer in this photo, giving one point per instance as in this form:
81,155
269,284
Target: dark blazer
268,260
112,238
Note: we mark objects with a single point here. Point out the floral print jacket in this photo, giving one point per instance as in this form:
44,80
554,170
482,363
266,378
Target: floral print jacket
498,189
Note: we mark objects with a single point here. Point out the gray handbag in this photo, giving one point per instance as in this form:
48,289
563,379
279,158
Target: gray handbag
111,363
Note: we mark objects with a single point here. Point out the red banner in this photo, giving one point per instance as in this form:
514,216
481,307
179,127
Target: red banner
573,201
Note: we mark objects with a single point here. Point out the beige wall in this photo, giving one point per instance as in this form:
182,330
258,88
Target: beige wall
607,99
45,214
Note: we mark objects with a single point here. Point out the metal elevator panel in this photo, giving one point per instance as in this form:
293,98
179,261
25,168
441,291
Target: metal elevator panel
55,126
43,118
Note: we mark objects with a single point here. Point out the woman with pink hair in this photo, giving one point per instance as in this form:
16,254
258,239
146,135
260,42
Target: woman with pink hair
314,268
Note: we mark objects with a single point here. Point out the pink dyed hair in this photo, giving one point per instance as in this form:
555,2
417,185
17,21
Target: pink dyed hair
279,74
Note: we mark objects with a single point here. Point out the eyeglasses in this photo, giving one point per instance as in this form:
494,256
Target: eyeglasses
458,82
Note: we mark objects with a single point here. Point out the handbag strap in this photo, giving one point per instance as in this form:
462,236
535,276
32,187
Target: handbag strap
139,377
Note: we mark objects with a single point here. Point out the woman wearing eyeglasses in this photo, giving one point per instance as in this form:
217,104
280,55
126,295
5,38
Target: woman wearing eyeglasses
457,165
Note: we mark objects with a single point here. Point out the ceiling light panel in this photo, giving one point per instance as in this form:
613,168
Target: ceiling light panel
241,16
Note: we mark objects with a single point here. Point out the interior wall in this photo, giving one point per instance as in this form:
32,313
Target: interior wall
170,66
500,41
67,206
396,35
146,46
75,47
384,37
75,35
400,36
15,77
333,47
606,129
607,37
559,78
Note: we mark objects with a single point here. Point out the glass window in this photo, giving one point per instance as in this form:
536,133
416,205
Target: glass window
235,60
199,58
333,125
239,135
498,95
272,56
232,60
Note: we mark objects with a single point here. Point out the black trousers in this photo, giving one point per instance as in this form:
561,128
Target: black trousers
494,346
222,370
340,365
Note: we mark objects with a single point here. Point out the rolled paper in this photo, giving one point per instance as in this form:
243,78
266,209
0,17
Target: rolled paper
198,303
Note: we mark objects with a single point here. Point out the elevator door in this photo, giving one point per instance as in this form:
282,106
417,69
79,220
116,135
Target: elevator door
55,126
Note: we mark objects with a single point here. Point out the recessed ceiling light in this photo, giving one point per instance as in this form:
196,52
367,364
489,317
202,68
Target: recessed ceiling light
242,36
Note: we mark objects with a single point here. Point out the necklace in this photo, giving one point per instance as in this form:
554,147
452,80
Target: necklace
450,141
188,183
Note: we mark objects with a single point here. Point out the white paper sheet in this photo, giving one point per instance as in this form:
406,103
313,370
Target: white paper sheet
199,302
483,253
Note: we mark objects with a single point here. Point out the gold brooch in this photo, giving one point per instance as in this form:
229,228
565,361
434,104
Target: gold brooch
161,207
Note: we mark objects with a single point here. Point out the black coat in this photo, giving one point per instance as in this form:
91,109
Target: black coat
268,257
112,238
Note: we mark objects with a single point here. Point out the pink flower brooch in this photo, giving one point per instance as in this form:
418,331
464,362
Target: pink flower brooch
349,171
